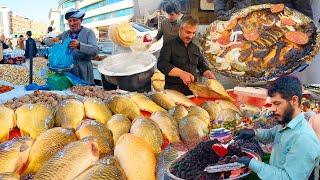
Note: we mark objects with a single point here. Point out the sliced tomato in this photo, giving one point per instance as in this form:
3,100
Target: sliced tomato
251,35
224,39
287,21
276,8
297,37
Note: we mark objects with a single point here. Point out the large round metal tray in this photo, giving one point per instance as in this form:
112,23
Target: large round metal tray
249,152
261,81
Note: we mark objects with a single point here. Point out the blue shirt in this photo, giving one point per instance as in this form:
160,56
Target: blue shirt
295,151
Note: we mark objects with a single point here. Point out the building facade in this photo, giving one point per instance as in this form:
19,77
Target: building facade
5,21
20,25
54,19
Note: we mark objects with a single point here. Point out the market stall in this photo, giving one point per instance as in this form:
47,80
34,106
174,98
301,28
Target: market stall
143,131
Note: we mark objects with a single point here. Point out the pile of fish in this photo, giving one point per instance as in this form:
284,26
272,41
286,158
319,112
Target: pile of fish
90,138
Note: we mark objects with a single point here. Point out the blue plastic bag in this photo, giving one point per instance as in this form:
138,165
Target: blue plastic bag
60,55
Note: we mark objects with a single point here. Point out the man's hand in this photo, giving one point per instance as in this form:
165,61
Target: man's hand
186,77
74,44
246,134
244,160
55,39
209,74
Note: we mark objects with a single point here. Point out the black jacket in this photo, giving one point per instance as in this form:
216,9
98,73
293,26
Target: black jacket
4,45
303,6
30,43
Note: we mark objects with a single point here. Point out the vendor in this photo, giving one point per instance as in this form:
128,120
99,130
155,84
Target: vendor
296,148
3,46
220,6
83,44
180,58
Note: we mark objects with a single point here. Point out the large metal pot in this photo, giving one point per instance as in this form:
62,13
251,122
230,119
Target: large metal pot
129,71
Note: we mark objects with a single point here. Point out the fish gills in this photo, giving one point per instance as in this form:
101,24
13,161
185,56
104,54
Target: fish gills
69,113
97,110
149,131
119,124
136,157
70,161
167,125
47,145
7,121
14,154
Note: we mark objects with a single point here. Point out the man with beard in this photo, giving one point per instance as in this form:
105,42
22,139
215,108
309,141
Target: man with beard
296,148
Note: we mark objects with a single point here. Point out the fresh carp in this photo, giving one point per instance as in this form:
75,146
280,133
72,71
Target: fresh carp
33,119
149,131
69,113
119,125
125,106
105,169
248,110
192,130
167,125
69,162
222,104
97,110
99,131
163,100
9,176
7,122
212,109
47,145
178,112
136,157
179,98
144,103
14,154
201,113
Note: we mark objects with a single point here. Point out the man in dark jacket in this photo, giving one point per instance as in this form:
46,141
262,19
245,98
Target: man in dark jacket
30,43
223,13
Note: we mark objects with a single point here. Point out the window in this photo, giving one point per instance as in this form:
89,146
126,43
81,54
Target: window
68,4
109,15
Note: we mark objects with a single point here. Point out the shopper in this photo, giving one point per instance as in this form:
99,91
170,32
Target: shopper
30,45
296,148
83,44
20,43
308,113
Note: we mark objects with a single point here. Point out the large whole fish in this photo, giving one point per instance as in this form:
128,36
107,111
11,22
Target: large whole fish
144,103
201,113
7,122
136,157
33,119
168,126
163,100
125,106
14,154
106,168
99,131
178,112
70,161
69,113
119,124
149,131
97,110
47,145
179,98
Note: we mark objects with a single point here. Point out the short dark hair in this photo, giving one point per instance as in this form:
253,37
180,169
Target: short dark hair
29,33
50,29
21,36
172,7
188,19
287,87
306,104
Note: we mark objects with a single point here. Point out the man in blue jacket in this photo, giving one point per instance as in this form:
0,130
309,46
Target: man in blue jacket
296,148
30,43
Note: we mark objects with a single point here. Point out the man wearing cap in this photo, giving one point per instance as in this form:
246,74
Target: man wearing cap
83,45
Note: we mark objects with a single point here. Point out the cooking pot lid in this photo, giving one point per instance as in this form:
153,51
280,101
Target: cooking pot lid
126,64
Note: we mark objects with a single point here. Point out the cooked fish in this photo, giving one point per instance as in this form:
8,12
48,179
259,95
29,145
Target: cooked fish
178,112
136,157
163,100
14,154
47,145
7,121
125,106
149,131
119,124
144,103
167,125
105,169
97,110
69,113
99,131
69,162
33,119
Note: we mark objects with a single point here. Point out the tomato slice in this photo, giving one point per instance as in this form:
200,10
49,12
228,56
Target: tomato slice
276,8
287,21
297,37
251,35
224,39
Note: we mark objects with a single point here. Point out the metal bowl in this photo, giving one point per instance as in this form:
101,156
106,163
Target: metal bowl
249,152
